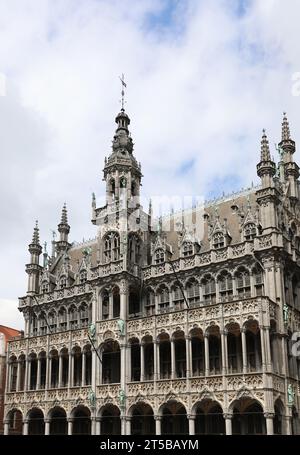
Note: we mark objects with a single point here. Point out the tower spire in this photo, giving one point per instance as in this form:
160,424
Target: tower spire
36,237
124,85
285,131
63,229
265,148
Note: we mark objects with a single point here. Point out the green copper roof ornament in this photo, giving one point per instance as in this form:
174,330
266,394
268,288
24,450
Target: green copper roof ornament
291,395
92,398
285,311
122,398
92,331
121,326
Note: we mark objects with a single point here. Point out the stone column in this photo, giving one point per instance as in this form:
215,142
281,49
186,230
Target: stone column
18,376
188,353
157,424
38,374
83,362
157,363
70,425
244,350
206,351
98,425
50,372
47,372
228,423
123,425
142,351
173,360
6,427
60,368
128,425
269,422
268,349
224,351
26,374
93,425
71,373
25,427
47,427
29,374
192,419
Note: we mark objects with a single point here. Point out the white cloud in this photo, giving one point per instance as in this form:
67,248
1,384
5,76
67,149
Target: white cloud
200,89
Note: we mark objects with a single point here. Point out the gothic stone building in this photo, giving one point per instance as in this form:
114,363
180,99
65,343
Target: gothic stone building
162,331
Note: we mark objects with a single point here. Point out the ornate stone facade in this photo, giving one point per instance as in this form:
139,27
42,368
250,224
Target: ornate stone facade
145,331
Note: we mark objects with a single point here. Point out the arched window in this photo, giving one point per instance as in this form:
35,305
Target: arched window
83,276
187,249
249,231
243,283
52,320
43,324
163,299
134,247
73,318
159,256
111,247
63,282
192,290
62,315
84,315
150,302
258,281
218,240
112,187
34,324
225,286
209,289
45,286
105,304
178,299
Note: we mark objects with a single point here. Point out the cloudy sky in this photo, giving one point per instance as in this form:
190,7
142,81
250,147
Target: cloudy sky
203,78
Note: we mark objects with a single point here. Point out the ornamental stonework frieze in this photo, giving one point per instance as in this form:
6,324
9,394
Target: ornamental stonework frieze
145,388
163,320
104,326
107,389
178,317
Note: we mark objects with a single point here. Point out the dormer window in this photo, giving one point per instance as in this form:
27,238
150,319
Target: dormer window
218,240
45,286
250,231
159,256
83,276
63,282
187,249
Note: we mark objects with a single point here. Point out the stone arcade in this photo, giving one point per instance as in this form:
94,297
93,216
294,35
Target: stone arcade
199,345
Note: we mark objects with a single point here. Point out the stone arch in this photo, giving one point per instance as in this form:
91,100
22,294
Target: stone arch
110,351
14,417
179,341
110,422
208,417
278,416
248,416
198,356
234,347
173,418
164,347
253,344
81,416
142,419
58,420
36,424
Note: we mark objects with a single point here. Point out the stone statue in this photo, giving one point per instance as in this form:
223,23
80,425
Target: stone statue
285,313
92,331
291,395
122,398
121,326
92,398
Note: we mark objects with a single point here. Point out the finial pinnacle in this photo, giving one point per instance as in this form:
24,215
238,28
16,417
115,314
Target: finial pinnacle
285,132
265,149
124,85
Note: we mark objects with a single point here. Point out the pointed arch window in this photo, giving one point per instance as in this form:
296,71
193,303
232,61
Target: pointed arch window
258,278
159,256
242,278
249,231
218,240
52,321
45,287
73,318
134,247
193,294
178,299
84,315
225,286
43,324
187,249
209,290
111,247
150,302
62,315
105,304
163,299
63,282
83,276
34,324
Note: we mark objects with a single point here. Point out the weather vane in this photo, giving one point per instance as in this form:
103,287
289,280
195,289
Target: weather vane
124,85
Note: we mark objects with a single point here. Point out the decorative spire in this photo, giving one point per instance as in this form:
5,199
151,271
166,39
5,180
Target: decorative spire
124,85
265,149
64,215
36,238
285,133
